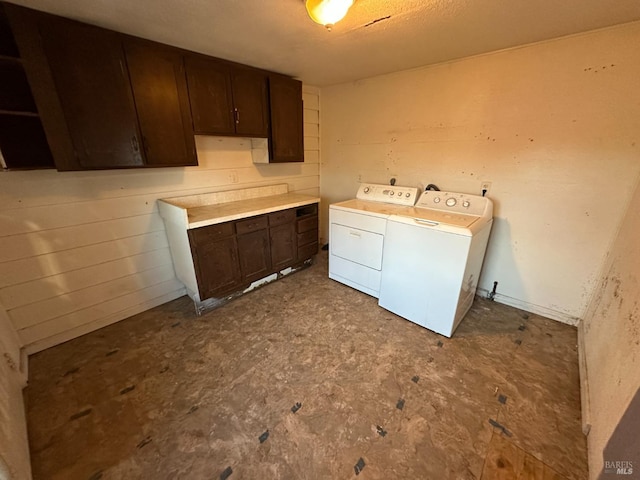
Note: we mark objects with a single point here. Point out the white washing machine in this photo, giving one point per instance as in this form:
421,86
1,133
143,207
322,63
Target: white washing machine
357,234
432,259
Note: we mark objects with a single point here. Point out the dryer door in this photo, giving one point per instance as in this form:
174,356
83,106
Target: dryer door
356,245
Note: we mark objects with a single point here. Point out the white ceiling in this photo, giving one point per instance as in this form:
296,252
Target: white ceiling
278,35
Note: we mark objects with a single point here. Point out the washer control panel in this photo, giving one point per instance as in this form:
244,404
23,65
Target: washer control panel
388,194
454,202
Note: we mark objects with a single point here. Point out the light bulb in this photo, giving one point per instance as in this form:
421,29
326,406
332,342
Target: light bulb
328,12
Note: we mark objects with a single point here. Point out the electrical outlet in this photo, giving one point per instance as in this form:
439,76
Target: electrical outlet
485,188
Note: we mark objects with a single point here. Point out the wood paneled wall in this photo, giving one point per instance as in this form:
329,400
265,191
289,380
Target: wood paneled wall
14,446
81,250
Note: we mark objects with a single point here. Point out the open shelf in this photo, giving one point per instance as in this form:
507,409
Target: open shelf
23,143
8,47
15,93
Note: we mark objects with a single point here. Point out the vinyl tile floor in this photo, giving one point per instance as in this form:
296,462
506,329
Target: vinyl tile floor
306,378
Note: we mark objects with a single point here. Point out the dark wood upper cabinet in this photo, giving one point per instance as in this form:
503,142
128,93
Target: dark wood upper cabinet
89,98
250,103
89,69
210,96
285,98
225,99
161,98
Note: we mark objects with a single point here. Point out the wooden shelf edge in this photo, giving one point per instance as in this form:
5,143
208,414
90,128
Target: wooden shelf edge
18,113
10,59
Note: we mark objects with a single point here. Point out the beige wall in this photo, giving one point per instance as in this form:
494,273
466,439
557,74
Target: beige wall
612,338
554,126
14,447
80,250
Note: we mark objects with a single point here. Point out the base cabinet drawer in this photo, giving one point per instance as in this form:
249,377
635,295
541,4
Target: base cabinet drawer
308,223
307,251
252,224
283,216
307,237
211,233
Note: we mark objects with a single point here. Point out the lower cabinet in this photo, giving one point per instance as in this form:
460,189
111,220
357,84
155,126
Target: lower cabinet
215,258
282,236
253,249
307,231
283,245
229,256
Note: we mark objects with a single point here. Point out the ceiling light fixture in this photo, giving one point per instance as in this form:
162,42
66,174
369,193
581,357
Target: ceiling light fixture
328,12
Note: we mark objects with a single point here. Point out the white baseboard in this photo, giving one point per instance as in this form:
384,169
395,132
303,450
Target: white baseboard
532,308
67,335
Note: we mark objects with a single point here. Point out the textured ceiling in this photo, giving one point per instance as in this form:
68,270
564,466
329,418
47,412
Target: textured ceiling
278,35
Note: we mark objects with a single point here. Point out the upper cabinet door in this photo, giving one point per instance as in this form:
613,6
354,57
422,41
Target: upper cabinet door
210,96
160,91
90,74
250,102
285,96
227,100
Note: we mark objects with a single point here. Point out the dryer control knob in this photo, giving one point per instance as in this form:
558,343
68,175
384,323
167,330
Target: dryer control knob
436,200
451,202
391,193
408,195
366,189
466,204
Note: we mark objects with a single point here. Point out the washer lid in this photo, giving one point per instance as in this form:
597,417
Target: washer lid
463,220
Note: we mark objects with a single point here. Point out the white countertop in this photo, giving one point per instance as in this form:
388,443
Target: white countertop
200,210
225,212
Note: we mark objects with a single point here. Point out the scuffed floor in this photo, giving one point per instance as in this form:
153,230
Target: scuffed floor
168,395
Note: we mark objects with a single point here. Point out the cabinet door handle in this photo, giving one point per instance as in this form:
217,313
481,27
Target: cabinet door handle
237,116
134,144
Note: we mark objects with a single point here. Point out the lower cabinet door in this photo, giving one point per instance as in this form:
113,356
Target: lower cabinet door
283,245
253,250
217,267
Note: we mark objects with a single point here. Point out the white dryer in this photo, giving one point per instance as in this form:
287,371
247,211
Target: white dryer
432,258
357,233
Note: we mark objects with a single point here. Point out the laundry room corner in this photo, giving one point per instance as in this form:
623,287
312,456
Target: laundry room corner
546,124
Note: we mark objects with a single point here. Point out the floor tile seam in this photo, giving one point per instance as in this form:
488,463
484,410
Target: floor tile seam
499,418
526,452
486,455
497,409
